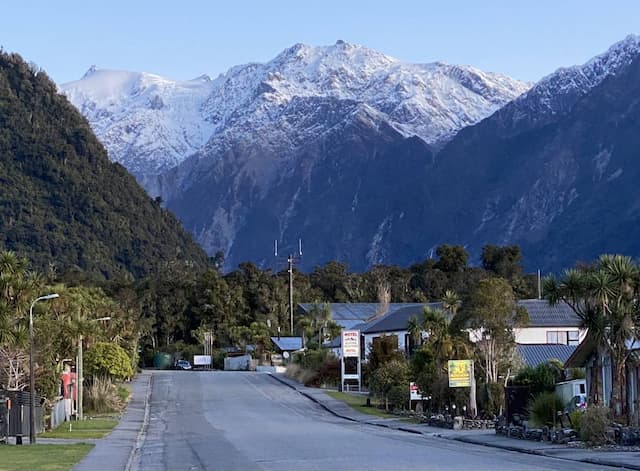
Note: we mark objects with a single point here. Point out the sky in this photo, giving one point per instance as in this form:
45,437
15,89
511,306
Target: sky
183,40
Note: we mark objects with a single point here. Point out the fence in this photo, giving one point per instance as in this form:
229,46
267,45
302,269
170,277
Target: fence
58,413
18,414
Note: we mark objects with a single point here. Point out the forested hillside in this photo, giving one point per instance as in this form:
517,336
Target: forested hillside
63,204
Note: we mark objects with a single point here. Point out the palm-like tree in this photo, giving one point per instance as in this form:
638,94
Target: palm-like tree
414,328
605,297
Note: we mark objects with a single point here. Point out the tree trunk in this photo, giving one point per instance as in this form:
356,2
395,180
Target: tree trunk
618,386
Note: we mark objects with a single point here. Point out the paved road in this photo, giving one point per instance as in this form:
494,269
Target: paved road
246,421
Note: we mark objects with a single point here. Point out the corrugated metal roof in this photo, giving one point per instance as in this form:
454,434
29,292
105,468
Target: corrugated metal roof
536,354
349,314
542,314
287,343
355,316
398,320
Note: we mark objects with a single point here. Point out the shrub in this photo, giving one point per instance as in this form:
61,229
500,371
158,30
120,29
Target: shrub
543,408
388,381
576,418
593,425
542,378
102,396
490,398
108,359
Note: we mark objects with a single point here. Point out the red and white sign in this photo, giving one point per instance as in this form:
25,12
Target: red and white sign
350,343
414,392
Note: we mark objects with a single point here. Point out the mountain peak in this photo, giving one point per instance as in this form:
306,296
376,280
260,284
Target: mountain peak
91,70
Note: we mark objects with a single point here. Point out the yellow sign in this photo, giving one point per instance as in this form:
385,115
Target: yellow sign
460,372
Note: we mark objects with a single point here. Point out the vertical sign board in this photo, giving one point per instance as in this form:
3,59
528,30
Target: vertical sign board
350,349
460,372
350,343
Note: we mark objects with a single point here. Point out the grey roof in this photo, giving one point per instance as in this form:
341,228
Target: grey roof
536,354
287,344
397,320
542,314
334,343
348,315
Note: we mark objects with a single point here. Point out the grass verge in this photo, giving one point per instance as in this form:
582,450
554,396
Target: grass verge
358,401
92,428
42,457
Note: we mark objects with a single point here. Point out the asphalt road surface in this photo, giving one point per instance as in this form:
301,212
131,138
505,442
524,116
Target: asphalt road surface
231,421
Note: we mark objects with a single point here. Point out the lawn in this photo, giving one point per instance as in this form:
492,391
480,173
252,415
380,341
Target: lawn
358,401
91,428
41,457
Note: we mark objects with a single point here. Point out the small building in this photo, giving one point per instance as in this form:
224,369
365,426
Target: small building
286,344
599,373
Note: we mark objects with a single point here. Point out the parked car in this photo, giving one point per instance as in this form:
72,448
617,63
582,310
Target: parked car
183,365
578,402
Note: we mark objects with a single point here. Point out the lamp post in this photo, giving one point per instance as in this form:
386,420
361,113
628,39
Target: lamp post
80,372
32,377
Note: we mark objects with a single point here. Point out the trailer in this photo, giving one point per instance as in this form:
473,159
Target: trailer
202,361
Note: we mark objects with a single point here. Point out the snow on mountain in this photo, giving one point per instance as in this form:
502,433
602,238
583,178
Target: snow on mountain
558,91
431,101
150,123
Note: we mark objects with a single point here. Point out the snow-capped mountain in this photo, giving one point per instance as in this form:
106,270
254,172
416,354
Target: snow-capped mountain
150,124
336,145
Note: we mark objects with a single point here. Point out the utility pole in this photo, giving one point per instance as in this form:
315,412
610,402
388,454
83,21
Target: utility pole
291,259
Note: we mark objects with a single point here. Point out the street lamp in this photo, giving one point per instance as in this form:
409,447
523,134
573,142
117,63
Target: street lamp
32,378
80,371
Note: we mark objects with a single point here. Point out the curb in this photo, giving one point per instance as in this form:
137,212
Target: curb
308,396
143,428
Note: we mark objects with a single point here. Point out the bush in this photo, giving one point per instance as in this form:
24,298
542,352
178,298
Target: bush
576,418
108,359
543,409
593,425
101,396
390,382
217,359
542,378
490,398
314,368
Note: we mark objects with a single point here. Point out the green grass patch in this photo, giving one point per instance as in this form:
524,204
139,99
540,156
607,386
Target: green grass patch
358,401
42,457
92,428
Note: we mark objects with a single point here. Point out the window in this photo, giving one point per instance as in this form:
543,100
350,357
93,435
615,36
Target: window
574,337
563,337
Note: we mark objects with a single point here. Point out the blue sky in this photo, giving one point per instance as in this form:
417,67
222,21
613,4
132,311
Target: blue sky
183,40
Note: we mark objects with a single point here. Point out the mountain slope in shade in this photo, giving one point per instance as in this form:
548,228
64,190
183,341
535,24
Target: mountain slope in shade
554,172
62,202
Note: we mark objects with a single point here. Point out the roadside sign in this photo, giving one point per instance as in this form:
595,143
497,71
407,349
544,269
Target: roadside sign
460,372
414,392
350,343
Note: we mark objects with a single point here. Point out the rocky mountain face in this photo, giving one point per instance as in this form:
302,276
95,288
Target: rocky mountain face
288,149
555,171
